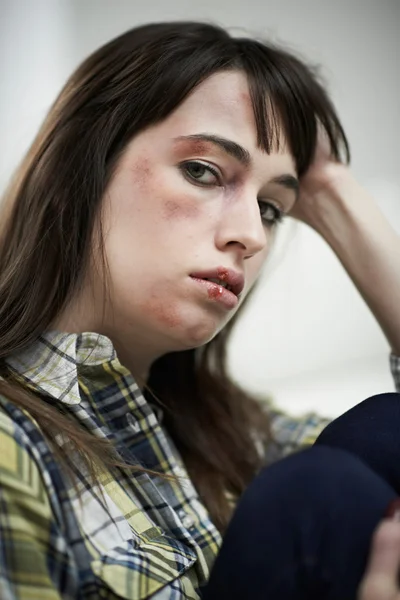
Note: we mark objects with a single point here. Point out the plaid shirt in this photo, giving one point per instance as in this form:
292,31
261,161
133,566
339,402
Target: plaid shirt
144,536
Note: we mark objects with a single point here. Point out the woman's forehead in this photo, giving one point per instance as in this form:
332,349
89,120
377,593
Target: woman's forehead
221,106
225,95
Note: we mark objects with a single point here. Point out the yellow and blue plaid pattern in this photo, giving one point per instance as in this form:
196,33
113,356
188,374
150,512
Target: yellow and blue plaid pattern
143,536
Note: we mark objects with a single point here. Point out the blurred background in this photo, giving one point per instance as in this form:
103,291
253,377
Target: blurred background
307,339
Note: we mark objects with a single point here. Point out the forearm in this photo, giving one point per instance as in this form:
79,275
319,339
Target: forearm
366,244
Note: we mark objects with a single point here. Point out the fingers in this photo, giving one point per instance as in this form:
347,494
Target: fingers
380,581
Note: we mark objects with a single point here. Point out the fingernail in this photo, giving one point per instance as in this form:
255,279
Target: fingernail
393,510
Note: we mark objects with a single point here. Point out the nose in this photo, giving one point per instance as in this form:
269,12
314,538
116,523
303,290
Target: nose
241,226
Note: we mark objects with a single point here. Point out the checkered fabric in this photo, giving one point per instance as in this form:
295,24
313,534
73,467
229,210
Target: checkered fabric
139,536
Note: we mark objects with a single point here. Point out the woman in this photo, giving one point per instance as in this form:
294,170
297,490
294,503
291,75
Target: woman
132,233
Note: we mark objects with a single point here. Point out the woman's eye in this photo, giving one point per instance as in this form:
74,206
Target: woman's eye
270,214
200,173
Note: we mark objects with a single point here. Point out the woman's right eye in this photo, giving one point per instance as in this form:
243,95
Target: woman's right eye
200,173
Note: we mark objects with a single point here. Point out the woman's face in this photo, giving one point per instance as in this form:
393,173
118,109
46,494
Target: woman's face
193,198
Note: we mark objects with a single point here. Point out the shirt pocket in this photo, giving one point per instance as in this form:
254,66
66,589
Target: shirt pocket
136,571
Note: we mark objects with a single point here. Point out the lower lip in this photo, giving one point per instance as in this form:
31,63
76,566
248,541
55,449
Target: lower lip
219,294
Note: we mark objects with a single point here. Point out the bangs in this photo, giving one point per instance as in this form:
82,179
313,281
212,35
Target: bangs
287,98
140,78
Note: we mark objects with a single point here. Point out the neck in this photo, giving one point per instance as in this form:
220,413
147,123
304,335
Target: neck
134,348
136,361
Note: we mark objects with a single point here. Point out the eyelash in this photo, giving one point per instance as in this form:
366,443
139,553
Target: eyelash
206,167
278,214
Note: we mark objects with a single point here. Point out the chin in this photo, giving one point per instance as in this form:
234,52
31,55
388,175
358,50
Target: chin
196,335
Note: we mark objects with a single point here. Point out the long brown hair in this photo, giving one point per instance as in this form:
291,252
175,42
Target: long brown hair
130,83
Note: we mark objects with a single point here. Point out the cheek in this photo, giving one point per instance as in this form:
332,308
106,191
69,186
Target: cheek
171,204
160,304
179,209
177,316
140,172
164,313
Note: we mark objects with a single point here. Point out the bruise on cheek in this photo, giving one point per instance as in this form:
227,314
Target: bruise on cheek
173,208
141,171
185,209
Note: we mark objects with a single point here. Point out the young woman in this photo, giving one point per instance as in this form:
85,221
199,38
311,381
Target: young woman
132,234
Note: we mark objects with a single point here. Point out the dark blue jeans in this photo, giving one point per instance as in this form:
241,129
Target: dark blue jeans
303,528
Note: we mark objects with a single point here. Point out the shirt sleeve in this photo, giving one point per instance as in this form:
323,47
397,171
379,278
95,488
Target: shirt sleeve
395,368
290,434
32,550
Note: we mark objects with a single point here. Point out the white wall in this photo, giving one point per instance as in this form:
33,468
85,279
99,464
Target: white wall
307,337
35,60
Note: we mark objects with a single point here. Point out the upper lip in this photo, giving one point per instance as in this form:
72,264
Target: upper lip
232,278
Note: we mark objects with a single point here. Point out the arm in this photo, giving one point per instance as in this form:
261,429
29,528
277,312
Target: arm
334,204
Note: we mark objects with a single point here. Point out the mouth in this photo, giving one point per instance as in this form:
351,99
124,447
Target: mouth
226,278
223,284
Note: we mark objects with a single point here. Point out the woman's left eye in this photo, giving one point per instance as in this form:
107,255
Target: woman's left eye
200,173
270,214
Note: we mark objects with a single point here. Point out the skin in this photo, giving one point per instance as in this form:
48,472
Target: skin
381,578
162,223
153,212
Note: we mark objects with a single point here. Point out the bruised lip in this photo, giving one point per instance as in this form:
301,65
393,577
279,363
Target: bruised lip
223,276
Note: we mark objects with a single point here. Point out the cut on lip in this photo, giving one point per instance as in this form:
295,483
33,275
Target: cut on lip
223,284
233,280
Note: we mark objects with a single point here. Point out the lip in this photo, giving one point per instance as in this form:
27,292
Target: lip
217,293
234,279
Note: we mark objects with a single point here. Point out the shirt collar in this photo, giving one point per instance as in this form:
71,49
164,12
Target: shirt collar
50,365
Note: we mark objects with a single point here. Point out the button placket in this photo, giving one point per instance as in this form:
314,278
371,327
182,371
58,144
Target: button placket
188,522
133,423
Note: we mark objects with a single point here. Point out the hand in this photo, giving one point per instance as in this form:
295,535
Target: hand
319,184
337,207
381,580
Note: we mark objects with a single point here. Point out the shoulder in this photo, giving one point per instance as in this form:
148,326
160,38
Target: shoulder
20,469
28,469
29,492
34,555
17,428
13,435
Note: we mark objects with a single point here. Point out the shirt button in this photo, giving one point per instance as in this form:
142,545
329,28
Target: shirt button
188,522
133,423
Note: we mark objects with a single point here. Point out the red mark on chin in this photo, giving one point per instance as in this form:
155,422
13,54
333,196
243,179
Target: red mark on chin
162,312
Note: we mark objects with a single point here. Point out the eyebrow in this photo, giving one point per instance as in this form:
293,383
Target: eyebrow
232,148
289,182
241,155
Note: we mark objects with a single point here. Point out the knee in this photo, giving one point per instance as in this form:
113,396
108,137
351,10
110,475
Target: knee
370,432
374,416
313,480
